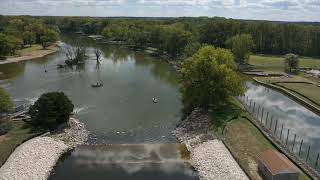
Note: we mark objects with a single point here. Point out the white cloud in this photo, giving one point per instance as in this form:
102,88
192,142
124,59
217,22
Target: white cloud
288,10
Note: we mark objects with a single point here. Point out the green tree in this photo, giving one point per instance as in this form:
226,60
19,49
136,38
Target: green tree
29,37
174,40
209,79
14,43
51,110
6,106
4,48
48,37
291,62
9,44
241,46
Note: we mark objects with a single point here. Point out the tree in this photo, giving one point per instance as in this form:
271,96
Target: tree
291,62
209,79
29,37
6,106
51,110
241,46
9,44
4,48
75,54
98,54
48,37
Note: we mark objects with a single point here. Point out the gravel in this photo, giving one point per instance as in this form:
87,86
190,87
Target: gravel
36,158
213,161
209,156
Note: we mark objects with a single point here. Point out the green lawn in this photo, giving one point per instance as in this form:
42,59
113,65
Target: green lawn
278,61
28,50
309,90
8,142
244,140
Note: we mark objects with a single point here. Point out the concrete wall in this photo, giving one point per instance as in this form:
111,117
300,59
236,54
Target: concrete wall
264,172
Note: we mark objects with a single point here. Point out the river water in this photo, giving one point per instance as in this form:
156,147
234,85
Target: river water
120,113
300,121
130,135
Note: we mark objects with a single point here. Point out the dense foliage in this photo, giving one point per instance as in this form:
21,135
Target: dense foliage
6,106
16,32
51,110
172,35
241,46
209,78
291,62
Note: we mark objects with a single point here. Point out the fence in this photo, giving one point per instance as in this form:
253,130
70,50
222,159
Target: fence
271,125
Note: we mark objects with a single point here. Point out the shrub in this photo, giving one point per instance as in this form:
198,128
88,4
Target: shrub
5,125
6,107
51,110
291,62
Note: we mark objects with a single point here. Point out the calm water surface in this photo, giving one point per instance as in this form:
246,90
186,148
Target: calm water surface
300,120
121,112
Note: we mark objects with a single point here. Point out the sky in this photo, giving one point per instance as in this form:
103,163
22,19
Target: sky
279,10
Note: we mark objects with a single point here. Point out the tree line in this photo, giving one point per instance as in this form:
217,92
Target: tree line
172,36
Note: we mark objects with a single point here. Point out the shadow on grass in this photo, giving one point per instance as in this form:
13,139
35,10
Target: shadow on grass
227,112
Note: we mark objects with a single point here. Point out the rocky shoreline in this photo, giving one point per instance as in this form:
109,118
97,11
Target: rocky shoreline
209,156
36,158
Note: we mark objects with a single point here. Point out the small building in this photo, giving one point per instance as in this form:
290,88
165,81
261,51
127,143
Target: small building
276,166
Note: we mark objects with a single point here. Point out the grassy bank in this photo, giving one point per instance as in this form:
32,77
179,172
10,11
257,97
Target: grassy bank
299,86
17,135
278,61
243,139
28,53
310,91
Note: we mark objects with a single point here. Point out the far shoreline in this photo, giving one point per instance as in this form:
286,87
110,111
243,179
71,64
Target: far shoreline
39,53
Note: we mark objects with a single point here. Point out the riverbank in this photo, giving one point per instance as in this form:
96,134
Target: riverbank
303,99
31,53
209,155
36,158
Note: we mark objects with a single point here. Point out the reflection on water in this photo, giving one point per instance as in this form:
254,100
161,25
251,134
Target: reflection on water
125,162
300,120
120,112
131,79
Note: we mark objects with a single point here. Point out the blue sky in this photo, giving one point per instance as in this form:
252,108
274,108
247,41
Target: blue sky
284,10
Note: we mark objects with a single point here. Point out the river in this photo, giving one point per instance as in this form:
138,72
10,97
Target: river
130,136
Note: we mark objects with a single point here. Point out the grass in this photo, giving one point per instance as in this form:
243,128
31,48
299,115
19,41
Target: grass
278,61
309,90
18,134
293,78
243,139
29,50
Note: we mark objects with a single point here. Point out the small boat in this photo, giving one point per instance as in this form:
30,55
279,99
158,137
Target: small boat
97,85
155,100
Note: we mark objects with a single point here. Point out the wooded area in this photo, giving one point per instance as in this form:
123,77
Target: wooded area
169,35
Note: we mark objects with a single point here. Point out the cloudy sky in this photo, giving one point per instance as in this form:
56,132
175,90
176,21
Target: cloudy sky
285,10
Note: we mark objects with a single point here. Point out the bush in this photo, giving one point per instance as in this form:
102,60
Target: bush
51,110
6,104
291,63
5,125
